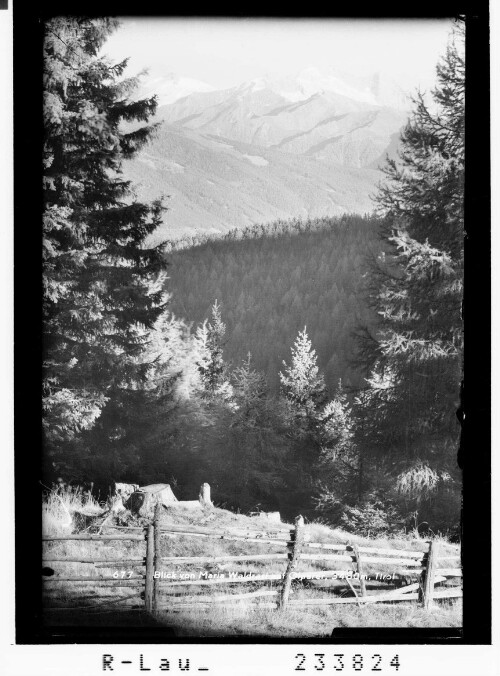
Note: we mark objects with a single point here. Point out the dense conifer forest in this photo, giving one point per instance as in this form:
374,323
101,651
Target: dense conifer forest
272,280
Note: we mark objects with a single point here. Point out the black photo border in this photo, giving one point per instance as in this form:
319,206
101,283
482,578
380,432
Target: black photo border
475,447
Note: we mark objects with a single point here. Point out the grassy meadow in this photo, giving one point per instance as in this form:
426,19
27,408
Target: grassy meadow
83,603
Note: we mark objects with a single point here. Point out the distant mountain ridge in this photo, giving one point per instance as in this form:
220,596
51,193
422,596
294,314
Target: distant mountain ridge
171,87
302,146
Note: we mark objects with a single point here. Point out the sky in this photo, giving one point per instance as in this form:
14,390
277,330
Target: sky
226,52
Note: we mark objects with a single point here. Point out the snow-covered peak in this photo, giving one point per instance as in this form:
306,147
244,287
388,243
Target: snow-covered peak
312,81
171,87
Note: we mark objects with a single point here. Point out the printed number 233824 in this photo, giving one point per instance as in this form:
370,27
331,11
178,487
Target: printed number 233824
342,661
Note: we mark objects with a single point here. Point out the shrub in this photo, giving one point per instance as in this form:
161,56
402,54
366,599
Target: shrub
371,519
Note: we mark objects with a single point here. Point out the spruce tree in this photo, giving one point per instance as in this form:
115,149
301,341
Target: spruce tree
250,390
336,427
103,283
417,282
302,385
211,364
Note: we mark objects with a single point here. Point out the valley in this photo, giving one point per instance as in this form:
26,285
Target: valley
299,147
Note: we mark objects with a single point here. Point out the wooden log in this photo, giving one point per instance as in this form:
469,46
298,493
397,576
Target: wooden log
217,559
447,593
391,560
317,574
359,565
103,582
391,551
157,553
292,563
228,537
379,598
325,557
428,586
268,531
207,606
351,558
133,563
269,534
326,545
97,562
98,608
95,579
452,572
110,602
104,594
331,574
415,586
368,561
340,574
129,609
410,553
100,538
138,528
150,552
398,553
222,598
220,580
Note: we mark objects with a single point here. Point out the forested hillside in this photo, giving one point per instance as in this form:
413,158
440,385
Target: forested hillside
216,185
273,280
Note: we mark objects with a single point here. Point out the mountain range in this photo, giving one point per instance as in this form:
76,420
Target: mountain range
301,146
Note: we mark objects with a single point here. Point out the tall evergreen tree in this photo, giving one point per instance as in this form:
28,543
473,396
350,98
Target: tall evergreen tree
103,284
336,427
211,365
250,390
302,384
418,283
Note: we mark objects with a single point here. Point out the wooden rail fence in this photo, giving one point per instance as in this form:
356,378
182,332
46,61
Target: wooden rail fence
154,593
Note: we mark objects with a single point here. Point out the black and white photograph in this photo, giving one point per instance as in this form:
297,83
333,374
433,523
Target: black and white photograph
253,385
253,273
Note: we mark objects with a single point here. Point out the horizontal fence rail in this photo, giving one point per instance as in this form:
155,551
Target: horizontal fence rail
99,538
155,590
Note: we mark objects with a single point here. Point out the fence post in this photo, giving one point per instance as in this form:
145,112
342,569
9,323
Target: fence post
150,568
204,496
294,556
157,555
360,568
428,588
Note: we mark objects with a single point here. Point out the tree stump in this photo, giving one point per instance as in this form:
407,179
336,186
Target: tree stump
144,501
164,493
